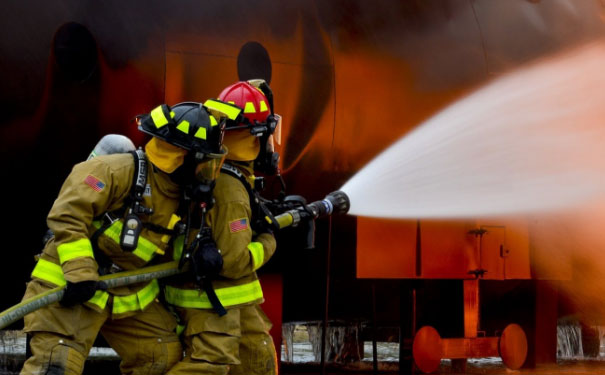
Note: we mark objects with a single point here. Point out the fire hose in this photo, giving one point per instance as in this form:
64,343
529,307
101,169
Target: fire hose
334,203
114,280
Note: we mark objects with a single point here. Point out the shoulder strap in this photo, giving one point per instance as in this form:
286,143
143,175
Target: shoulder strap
234,172
139,176
259,210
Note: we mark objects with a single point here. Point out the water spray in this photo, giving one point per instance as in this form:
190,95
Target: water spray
529,141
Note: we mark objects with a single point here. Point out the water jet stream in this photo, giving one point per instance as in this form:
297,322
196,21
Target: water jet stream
529,141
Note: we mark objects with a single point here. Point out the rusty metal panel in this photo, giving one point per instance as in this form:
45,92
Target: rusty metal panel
491,250
386,248
471,307
550,241
505,249
448,250
516,250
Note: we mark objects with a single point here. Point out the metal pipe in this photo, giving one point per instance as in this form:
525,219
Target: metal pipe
327,301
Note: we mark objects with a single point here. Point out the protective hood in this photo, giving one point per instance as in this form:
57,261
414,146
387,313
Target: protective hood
164,155
242,145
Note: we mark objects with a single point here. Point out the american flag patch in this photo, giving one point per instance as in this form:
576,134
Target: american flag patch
238,225
94,183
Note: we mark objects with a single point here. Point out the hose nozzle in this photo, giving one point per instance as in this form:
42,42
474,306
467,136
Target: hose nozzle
337,202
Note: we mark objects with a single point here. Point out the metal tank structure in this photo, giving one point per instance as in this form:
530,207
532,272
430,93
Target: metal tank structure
349,78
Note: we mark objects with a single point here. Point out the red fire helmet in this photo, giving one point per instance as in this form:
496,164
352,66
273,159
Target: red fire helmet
250,99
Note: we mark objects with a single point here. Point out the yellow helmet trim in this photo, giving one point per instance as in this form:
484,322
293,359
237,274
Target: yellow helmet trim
249,108
263,106
184,126
172,114
213,121
201,133
158,117
224,109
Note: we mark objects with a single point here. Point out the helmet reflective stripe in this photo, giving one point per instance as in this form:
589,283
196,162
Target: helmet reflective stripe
158,117
201,133
263,106
231,111
184,126
249,108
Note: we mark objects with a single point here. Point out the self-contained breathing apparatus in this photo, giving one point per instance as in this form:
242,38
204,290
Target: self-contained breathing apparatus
194,128
268,160
201,254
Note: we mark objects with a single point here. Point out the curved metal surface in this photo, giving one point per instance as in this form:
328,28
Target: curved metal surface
513,346
427,349
349,78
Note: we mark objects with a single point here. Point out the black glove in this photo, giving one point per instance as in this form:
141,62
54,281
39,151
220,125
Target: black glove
262,226
207,260
80,292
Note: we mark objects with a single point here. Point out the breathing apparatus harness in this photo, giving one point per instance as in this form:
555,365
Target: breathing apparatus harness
262,217
201,196
131,230
131,211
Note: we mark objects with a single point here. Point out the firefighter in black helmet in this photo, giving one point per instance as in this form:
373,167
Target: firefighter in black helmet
114,213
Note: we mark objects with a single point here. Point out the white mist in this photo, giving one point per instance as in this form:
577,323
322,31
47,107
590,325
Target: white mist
530,141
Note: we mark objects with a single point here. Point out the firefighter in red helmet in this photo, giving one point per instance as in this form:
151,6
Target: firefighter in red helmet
235,340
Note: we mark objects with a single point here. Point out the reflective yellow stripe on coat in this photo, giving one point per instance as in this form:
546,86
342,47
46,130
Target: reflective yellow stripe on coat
137,301
100,299
75,249
51,272
229,296
145,248
258,253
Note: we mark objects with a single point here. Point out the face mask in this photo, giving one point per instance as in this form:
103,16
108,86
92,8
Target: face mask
201,175
267,161
208,169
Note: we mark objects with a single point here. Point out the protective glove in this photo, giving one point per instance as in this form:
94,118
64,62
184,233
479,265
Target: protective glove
261,226
80,292
207,259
